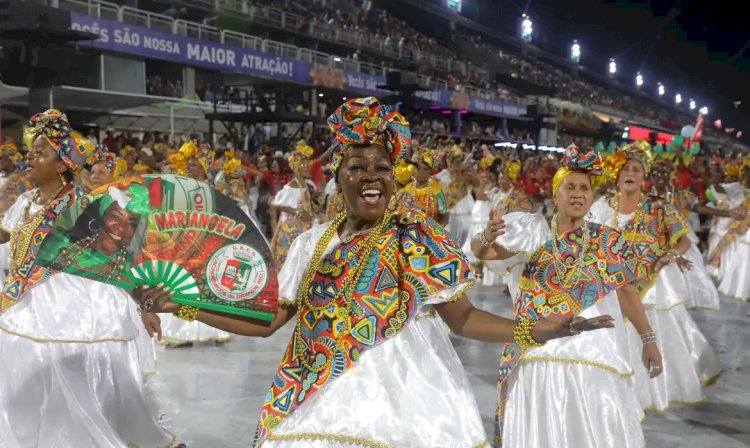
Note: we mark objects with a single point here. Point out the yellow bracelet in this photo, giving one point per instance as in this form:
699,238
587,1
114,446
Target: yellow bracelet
187,313
522,333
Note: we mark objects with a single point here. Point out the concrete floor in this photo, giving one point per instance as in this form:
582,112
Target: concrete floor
210,395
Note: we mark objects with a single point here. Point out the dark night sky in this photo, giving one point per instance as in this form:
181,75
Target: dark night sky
697,47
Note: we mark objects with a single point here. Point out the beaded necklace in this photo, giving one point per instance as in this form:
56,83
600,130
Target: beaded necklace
304,295
561,266
19,244
429,207
638,217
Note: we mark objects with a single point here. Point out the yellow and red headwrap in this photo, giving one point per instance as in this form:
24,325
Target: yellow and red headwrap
364,121
10,151
639,150
576,161
72,148
202,153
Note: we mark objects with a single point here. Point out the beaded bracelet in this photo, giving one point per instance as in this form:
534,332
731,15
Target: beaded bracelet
648,338
187,313
522,333
483,240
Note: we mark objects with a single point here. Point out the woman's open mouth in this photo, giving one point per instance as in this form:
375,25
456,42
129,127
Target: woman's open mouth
371,195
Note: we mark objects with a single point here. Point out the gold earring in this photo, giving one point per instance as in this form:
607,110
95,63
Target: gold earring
339,203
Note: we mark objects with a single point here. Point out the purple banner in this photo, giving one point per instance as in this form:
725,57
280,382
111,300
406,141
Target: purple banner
125,38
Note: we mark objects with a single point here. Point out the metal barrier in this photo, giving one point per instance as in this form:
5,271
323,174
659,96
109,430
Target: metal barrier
101,9
192,29
280,49
241,40
148,19
314,57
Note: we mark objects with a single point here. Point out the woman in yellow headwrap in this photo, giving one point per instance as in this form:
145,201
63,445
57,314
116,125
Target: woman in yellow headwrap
424,192
71,376
297,202
576,268
655,229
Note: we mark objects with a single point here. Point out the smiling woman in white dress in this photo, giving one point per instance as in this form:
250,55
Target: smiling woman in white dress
71,375
369,363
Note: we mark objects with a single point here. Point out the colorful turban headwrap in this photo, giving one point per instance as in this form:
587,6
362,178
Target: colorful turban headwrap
576,161
10,151
301,153
364,121
115,165
639,150
202,153
72,148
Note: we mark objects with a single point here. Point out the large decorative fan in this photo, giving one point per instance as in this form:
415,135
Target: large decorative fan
172,231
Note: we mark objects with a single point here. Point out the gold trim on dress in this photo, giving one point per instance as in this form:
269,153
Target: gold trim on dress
462,288
62,341
168,340
287,302
599,365
661,310
327,437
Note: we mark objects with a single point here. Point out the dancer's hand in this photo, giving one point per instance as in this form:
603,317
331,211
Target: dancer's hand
496,225
155,299
544,330
737,214
152,322
652,360
673,257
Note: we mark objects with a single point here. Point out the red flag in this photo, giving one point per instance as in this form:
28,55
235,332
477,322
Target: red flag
698,133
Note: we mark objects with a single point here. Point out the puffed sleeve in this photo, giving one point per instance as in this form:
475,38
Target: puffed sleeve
296,264
288,197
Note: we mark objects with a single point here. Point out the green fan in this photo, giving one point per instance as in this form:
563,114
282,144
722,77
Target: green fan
176,278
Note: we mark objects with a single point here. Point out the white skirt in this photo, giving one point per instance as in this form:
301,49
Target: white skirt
176,330
702,292
735,269
689,361
410,391
575,392
459,220
72,377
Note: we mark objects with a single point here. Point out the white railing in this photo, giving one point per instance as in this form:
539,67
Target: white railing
196,30
241,40
101,9
147,19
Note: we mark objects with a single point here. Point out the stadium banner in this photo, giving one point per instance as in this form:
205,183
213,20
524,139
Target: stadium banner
125,38
133,39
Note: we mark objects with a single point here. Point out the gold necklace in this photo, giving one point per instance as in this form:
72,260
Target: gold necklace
430,206
304,295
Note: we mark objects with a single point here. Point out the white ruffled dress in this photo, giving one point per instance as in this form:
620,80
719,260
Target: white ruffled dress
409,391
571,392
459,219
71,373
734,270
688,359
